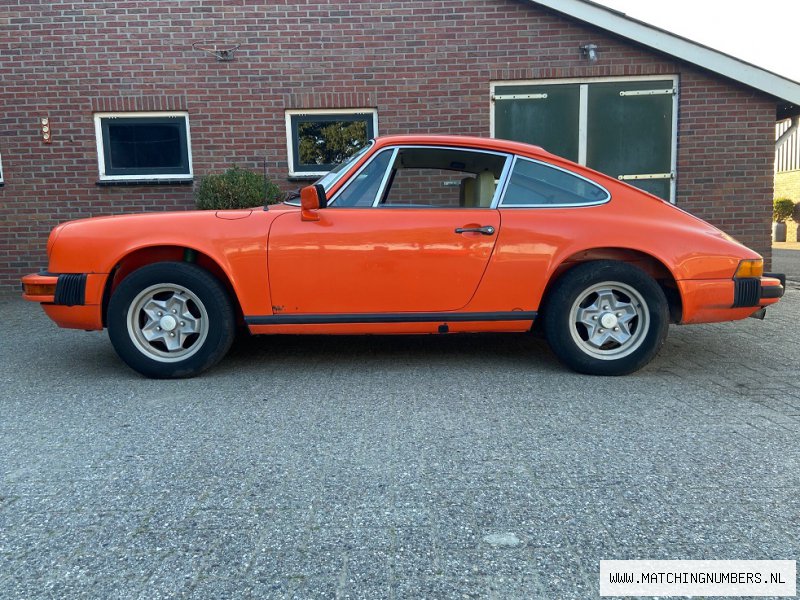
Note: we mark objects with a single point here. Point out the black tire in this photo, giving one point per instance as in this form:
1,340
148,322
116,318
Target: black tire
170,320
626,312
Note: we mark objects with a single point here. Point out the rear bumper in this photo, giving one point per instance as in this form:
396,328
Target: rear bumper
72,300
716,300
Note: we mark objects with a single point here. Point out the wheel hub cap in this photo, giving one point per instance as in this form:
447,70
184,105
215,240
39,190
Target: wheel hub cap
608,320
168,323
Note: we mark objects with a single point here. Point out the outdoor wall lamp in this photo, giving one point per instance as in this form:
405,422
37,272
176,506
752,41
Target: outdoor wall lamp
589,51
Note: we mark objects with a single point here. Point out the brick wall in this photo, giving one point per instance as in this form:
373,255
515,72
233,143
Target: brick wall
424,64
726,157
787,185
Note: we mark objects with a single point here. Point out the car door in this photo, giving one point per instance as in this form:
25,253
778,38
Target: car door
412,231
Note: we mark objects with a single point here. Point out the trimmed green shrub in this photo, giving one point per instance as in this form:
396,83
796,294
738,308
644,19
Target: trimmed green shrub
782,209
235,188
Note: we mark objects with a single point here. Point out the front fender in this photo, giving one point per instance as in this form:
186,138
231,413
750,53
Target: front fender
238,247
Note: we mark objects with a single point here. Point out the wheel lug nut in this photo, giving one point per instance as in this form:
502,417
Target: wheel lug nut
160,314
619,314
605,307
174,311
158,328
602,330
594,318
171,335
616,328
182,323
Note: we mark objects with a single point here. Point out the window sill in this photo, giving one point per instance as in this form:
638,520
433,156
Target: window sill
304,177
116,182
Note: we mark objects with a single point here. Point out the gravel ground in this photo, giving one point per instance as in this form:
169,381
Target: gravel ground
389,467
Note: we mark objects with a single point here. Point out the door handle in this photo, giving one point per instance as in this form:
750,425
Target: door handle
485,230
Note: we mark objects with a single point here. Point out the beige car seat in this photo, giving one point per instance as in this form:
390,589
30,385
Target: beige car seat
477,192
484,189
466,195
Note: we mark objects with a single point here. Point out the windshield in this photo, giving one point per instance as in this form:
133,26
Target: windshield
333,176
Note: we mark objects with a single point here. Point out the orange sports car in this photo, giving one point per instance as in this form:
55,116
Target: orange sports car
412,235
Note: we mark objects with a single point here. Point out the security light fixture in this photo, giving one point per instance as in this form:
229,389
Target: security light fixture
589,51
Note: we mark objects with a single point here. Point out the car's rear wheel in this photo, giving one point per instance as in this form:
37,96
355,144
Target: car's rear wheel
606,318
170,320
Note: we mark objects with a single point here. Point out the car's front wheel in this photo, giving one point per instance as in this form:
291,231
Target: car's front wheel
606,318
170,320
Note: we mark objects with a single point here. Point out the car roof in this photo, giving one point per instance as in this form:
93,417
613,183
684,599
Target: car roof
465,141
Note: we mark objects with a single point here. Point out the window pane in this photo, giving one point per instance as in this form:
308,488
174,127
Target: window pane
145,146
336,173
142,146
323,141
534,183
362,190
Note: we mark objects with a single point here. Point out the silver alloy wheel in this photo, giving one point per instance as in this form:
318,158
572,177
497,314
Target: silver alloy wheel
167,322
609,320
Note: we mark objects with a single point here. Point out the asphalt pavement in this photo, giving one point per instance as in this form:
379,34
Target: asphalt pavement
389,467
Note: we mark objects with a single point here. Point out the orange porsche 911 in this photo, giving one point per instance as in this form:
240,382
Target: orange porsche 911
412,235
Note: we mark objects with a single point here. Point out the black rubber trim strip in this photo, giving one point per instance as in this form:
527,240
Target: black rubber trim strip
772,291
746,291
437,317
70,289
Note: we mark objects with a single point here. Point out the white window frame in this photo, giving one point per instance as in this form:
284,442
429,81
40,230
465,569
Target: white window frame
584,83
2,181
319,111
98,132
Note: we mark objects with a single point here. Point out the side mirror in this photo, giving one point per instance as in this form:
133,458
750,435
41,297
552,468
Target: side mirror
312,198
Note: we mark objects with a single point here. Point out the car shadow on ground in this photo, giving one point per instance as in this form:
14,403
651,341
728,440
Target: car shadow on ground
515,349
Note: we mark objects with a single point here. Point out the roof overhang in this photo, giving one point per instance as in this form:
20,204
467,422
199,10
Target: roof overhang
686,50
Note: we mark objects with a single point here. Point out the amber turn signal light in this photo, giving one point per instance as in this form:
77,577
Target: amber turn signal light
40,289
750,268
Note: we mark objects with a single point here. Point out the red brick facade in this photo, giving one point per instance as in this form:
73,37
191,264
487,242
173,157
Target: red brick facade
426,65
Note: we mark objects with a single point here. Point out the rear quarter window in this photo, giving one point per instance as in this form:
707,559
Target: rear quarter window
537,184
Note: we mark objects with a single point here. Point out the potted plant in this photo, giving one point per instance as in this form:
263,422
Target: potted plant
782,209
796,219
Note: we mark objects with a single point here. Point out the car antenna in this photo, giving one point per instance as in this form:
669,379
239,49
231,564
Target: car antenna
266,186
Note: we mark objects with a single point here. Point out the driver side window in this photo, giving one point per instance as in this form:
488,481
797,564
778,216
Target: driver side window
426,177
442,178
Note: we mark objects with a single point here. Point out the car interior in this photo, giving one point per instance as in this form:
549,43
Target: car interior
442,177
